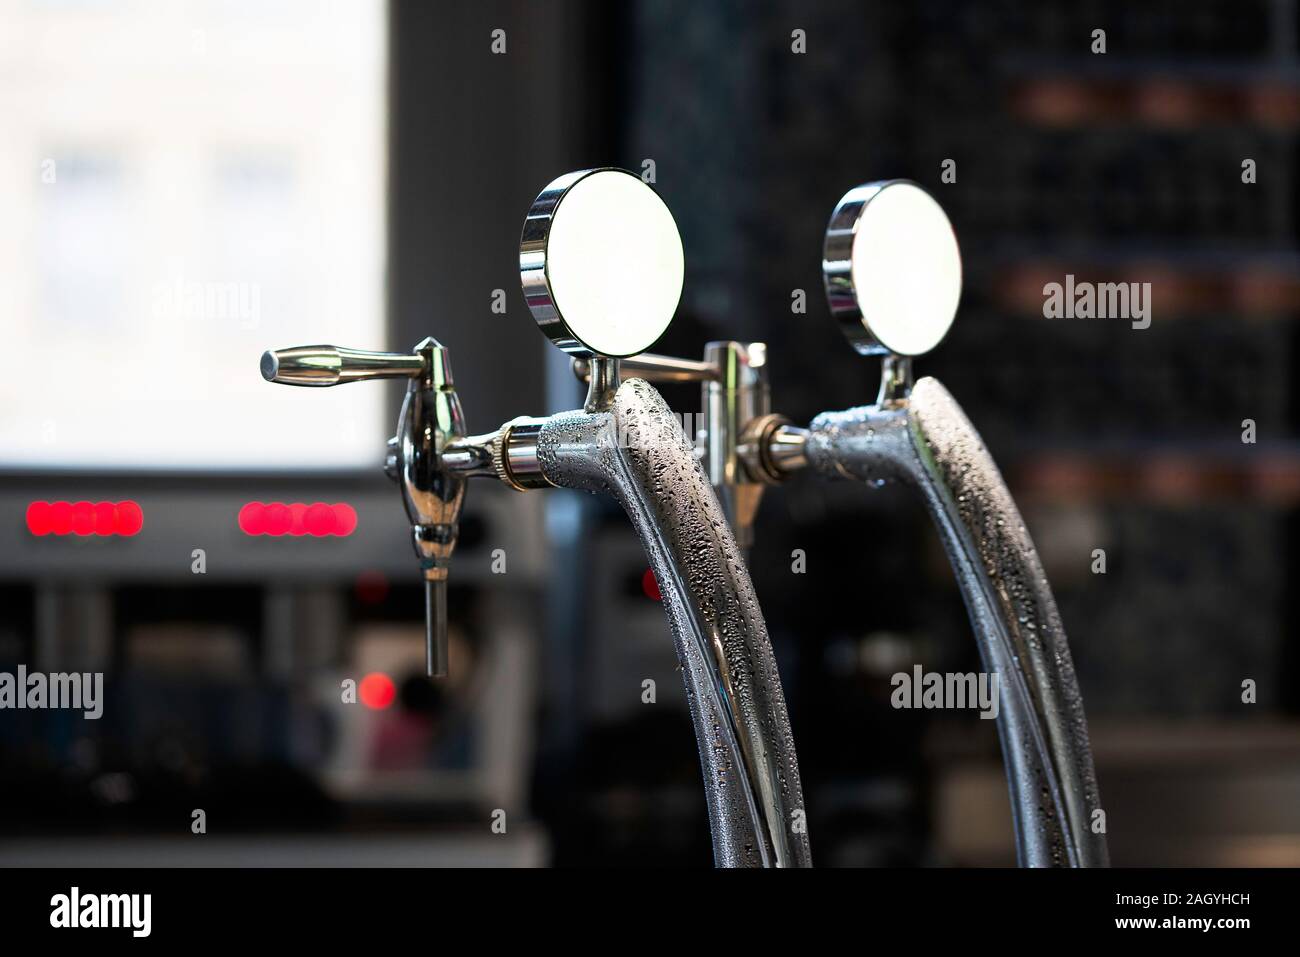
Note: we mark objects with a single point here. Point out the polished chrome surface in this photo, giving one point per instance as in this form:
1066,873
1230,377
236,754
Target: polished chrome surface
471,455
771,448
918,434
532,262
895,381
625,442
655,368
737,394
430,419
433,496
508,454
590,310
927,441
602,383
787,449
519,464
635,450
905,303
436,648
734,393
638,453
331,365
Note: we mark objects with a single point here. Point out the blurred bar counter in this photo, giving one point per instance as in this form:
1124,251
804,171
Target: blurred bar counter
1176,794
525,846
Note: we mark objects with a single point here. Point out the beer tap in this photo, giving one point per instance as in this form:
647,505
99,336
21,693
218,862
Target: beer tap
601,268
429,421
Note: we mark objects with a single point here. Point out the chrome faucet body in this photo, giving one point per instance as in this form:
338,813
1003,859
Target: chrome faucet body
429,420
627,443
636,452
734,393
926,441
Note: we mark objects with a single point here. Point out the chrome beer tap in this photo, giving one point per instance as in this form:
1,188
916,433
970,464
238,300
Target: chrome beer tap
735,393
430,420
892,273
601,267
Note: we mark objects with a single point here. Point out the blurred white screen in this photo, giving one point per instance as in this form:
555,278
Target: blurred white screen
184,184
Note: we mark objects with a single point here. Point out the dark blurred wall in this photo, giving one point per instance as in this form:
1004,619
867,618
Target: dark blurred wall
1123,166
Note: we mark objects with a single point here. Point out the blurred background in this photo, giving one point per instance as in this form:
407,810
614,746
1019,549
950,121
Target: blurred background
185,183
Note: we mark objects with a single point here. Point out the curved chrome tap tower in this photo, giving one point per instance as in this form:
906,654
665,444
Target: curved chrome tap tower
601,269
893,278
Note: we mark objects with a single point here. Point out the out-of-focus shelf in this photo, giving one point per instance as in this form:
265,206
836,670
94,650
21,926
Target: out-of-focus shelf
1144,742
1171,475
1191,793
1170,743
1185,258
413,786
1188,70
192,512
1183,284
1154,94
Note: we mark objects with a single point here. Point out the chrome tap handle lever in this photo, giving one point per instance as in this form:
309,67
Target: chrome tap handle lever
430,420
333,365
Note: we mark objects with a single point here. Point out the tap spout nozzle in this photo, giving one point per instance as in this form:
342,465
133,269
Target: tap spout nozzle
435,626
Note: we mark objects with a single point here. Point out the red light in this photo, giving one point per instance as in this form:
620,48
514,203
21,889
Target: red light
345,519
650,586
377,690
61,518
277,518
105,518
250,518
84,518
130,518
38,518
319,519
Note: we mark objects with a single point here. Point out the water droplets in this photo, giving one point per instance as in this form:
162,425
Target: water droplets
722,644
